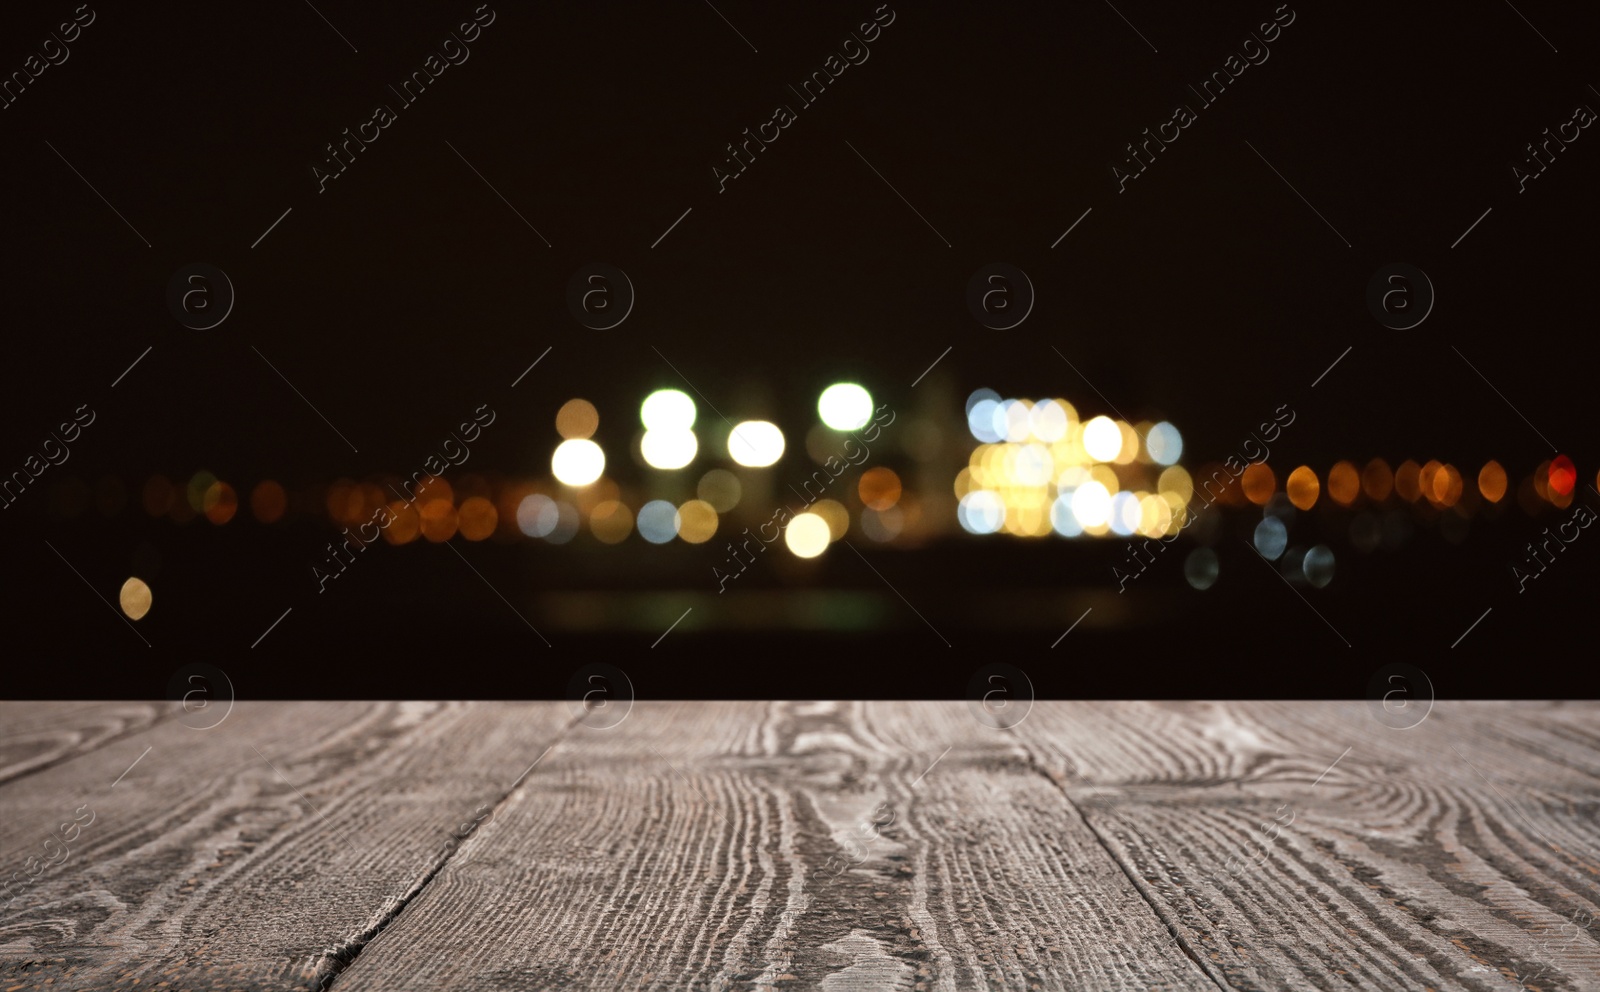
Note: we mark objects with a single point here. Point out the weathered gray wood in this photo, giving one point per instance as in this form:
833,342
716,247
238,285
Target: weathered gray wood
1453,855
721,846
256,854
732,845
37,735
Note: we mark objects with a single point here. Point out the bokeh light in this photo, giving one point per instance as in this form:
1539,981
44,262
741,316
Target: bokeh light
566,527
1049,421
1377,480
1563,475
1164,443
1271,538
1258,483
667,410
835,516
657,521
720,488
268,501
438,520
577,420
882,525
1102,439
1303,488
1318,566
879,488
696,521
1091,504
1406,485
1344,484
405,525
666,448
477,518
755,444
1492,482
220,503
807,535
536,515
981,511
611,522
135,598
981,419
577,462
1062,520
1200,568
844,406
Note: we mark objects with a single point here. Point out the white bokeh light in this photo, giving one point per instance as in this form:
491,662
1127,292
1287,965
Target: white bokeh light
845,406
667,410
577,462
755,444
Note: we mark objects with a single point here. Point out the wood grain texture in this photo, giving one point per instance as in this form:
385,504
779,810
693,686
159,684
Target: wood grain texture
37,735
1452,855
261,853
845,846
785,845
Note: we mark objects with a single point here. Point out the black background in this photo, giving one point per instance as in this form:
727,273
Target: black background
409,293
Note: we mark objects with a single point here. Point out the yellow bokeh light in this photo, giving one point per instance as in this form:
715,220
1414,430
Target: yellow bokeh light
807,535
611,522
836,516
1176,480
720,488
135,598
1129,451
577,420
697,521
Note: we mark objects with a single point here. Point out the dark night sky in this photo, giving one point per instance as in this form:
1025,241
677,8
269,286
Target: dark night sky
408,293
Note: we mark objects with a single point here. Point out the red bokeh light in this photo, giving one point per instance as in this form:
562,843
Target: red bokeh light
1563,475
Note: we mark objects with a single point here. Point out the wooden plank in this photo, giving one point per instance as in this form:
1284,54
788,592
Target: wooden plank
1463,853
785,845
38,735
260,853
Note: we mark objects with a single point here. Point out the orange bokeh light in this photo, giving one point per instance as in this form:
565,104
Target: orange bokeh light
1303,487
1492,482
405,526
1377,480
438,520
477,518
268,501
1344,483
1259,483
221,503
1405,481
879,488
157,496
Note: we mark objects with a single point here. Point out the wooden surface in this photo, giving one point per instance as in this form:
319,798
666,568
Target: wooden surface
841,846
